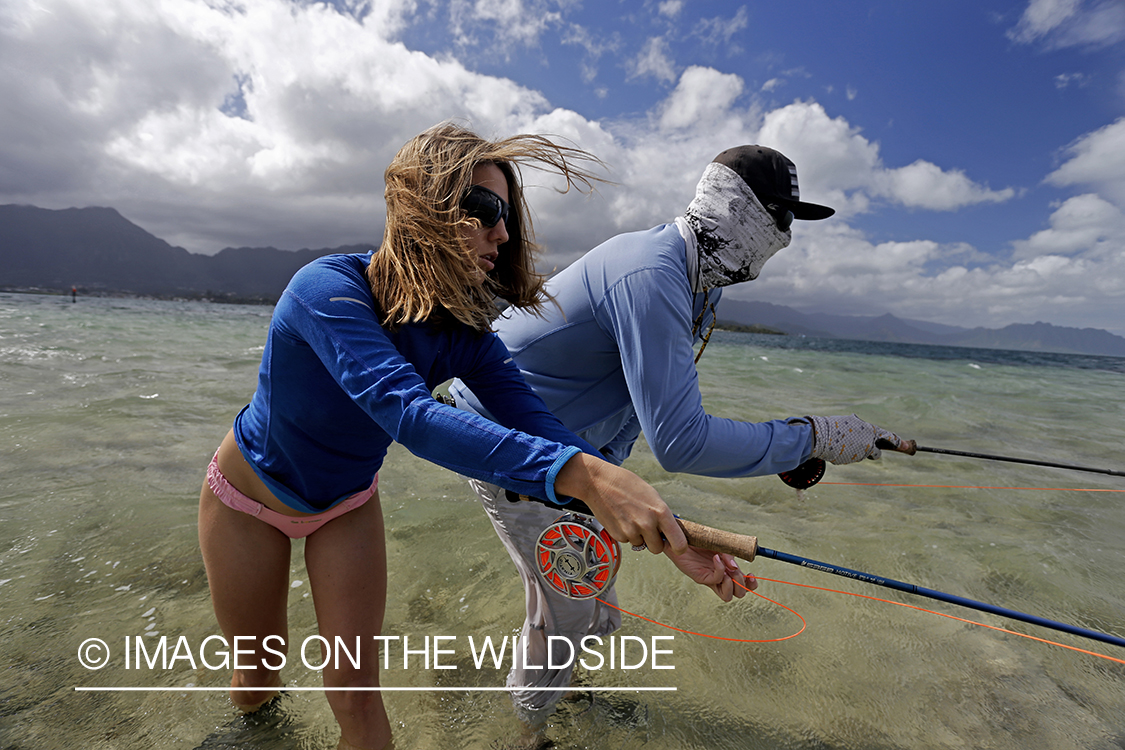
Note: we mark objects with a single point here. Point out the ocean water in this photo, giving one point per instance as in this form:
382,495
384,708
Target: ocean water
110,410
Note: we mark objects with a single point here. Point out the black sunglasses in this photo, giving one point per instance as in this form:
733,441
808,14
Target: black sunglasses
782,216
485,206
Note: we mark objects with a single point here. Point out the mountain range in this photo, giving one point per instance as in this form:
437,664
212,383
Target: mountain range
1042,337
99,251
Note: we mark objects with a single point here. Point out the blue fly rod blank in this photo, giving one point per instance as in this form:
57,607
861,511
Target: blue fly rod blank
961,601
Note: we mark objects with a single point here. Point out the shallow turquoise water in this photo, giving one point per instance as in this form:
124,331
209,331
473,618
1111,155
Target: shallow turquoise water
110,410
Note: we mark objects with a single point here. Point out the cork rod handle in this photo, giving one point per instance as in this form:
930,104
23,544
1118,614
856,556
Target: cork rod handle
739,545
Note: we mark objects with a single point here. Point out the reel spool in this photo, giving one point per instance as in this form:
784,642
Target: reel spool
805,475
575,559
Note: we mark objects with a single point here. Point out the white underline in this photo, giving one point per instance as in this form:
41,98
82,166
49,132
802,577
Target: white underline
369,689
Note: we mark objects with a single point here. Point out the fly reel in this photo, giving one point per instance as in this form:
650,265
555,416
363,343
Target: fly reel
576,559
805,475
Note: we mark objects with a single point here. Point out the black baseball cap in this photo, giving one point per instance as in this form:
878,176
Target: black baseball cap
773,178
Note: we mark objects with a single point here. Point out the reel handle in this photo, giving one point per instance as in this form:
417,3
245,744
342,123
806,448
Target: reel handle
715,540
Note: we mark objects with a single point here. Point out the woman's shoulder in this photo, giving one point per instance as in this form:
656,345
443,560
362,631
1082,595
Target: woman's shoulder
328,271
348,264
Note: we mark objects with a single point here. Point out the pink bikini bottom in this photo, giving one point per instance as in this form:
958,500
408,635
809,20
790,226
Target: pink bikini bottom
294,527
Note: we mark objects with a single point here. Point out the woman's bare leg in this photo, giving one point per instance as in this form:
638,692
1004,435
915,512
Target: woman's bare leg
346,561
247,564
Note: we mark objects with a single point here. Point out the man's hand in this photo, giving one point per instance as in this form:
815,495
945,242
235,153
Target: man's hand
717,571
844,440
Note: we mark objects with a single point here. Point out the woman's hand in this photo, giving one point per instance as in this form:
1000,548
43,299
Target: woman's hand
718,571
627,506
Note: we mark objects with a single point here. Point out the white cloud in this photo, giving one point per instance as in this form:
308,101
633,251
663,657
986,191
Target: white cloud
657,168
1096,159
671,8
503,22
832,158
721,32
838,164
328,100
1085,226
595,46
702,93
653,60
1042,17
1071,23
833,267
925,185
391,16
1064,80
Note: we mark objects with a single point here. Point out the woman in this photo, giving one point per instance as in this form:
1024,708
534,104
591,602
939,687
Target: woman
356,345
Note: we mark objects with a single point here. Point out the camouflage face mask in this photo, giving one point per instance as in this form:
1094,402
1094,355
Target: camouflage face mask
735,234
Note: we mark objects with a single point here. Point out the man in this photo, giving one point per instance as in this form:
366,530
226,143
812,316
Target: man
616,357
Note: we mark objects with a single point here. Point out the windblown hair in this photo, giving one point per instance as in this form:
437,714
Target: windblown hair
425,268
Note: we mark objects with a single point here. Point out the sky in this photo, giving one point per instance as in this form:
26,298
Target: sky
974,150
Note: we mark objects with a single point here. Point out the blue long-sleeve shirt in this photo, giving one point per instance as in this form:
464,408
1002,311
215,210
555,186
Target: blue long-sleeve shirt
617,359
335,389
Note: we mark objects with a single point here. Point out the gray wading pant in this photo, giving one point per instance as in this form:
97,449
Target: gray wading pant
549,613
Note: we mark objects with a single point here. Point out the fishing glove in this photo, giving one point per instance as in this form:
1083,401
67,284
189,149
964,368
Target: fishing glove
845,440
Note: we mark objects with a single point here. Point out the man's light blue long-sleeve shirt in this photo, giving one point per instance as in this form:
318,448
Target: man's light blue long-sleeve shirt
617,359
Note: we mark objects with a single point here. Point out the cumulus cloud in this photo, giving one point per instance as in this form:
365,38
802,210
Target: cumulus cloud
843,271
843,167
708,110
1085,226
1096,159
925,185
137,109
701,93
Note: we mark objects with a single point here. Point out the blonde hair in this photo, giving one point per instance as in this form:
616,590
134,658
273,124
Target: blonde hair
425,268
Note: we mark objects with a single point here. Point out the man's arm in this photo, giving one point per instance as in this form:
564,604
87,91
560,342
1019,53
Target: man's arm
650,313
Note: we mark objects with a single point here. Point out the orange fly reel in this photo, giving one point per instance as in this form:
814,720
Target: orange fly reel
576,559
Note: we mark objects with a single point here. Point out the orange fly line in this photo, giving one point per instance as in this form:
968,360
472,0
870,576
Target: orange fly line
804,624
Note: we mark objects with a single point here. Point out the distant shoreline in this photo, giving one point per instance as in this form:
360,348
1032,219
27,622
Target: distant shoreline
727,326
753,328
216,297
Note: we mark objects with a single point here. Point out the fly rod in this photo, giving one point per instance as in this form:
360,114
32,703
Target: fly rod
1032,462
812,471
580,561
746,547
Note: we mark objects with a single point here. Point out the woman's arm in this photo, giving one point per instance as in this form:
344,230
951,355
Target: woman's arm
629,508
